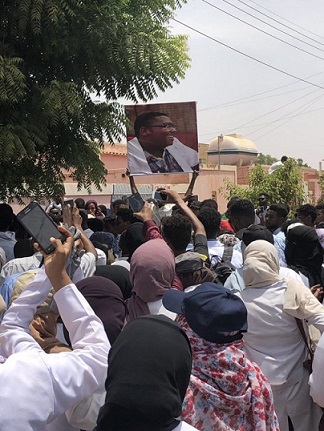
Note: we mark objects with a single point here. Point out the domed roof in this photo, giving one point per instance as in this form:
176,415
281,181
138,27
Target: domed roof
232,149
232,142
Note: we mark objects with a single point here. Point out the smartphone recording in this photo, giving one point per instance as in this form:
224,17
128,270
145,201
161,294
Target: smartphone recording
40,226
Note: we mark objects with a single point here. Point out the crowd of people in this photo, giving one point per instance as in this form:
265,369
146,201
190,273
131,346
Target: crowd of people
174,317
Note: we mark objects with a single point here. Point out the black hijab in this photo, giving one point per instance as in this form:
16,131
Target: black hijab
134,238
304,253
106,300
148,373
119,275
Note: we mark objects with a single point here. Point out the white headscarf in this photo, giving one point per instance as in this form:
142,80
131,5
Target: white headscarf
261,264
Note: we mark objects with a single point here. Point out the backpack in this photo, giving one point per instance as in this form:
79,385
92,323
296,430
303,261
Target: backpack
222,267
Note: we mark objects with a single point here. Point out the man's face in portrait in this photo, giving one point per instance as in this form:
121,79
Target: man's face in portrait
159,133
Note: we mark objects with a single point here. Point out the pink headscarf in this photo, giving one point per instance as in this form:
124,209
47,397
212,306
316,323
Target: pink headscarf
227,392
152,271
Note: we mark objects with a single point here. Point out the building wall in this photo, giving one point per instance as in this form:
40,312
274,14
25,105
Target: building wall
208,184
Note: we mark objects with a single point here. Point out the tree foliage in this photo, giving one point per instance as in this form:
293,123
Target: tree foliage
321,184
265,159
284,185
54,55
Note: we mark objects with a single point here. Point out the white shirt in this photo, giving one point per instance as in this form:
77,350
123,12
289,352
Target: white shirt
216,248
235,281
20,264
275,166
3,258
43,386
186,157
316,380
7,243
273,339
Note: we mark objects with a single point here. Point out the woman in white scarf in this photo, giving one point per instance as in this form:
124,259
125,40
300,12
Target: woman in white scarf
274,340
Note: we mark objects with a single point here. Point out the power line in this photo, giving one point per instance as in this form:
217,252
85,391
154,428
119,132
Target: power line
280,125
247,55
307,104
275,20
246,99
282,118
259,29
287,20
259,94
244,125
269,122
274,110
272,26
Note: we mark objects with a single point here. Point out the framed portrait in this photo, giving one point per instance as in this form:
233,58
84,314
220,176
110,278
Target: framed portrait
162,138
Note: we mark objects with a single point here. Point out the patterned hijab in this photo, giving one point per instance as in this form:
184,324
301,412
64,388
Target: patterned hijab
152,271
227,392
261,264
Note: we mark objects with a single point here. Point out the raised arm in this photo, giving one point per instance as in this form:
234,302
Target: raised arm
150,228
131,182
191,186
87,244
174,197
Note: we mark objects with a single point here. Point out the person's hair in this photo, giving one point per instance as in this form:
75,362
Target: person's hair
177,231
110,221
23,248
6,216
282,210
101,247
84,215
232,200
95,224
80,203
307,210
320,207
91,201
284,159
285,225
103,209
243,209
265,194
145,119
211,219
125,214
211,203
118,202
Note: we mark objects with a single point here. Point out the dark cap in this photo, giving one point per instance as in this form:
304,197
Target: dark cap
256,231
212,311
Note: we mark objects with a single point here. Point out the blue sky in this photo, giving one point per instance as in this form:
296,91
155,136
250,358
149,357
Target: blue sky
289,120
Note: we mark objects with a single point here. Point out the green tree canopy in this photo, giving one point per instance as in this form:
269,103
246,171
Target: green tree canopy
265,159
284,185
54,55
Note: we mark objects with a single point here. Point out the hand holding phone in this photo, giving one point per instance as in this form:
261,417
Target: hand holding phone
160,196
40,226
146,212
136,202
55,263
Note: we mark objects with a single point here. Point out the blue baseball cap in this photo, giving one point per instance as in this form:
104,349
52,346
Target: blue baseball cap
212,311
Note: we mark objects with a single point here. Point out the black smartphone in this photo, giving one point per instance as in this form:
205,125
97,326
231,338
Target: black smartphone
40,226
136,202
160,196
69,202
